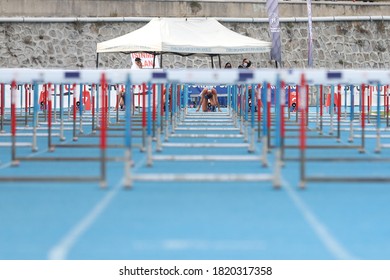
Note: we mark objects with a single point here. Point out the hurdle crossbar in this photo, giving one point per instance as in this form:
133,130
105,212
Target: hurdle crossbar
205,145
357,179
46,179
232,158
177,135
78,159
203,177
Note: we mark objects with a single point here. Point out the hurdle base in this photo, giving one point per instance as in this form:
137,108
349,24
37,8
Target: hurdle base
103,184
277,186
128,185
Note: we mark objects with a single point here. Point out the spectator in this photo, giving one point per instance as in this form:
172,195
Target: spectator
137,63
137,89
246,63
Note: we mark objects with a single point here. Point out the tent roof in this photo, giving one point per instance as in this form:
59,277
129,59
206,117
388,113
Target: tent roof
184,36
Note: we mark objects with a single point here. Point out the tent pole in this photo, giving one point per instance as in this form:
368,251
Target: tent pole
154,59
97,60
212,61
160,60
219,61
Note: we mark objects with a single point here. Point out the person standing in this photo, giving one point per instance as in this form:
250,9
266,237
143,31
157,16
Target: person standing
246,63
137,89
137,63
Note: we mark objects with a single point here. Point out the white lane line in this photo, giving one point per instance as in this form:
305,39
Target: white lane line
61,250
334,247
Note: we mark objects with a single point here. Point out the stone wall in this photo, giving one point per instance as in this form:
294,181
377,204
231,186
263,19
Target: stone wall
72,45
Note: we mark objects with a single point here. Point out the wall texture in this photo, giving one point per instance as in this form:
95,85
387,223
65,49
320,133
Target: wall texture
347,44
185,8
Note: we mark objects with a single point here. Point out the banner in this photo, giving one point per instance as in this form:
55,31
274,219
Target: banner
273,17
310,34
147,60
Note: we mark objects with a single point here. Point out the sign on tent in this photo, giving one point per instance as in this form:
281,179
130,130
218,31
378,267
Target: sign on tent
147,60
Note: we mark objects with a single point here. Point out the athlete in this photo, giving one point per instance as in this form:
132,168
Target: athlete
208,99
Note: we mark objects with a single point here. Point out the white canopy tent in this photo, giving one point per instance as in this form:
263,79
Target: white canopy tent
184,36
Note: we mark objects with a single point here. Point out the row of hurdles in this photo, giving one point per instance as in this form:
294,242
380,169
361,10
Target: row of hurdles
261,131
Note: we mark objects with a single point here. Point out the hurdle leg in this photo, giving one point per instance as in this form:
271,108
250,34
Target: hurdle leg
158,140
264,151
74,117
245,128
378,141
302,134
35,117
103,133
331,109
166,130
362,149
149,153
387,105
251,148
81,109
62,137
14,162
277,181
2,107
49,120
128,181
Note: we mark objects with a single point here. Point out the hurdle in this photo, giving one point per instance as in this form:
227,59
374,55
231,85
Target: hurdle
304,178
319,121
15,161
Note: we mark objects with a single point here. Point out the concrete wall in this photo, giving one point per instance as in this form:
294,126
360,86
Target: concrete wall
184,8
